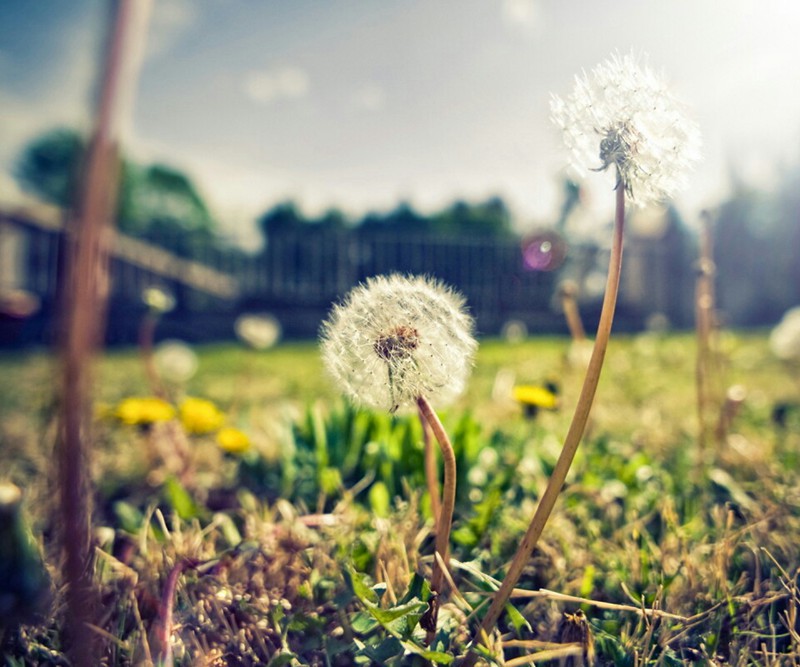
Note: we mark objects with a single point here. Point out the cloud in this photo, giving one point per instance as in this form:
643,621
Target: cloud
285,82
60,95
522,14
370,98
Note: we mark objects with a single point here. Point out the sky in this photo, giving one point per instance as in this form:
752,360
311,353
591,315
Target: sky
363,104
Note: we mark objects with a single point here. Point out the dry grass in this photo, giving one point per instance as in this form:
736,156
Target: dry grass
670,559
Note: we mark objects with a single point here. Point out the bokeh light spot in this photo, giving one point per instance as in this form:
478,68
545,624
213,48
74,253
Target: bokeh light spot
543,251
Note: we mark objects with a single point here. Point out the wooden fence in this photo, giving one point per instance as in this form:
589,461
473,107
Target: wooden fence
302,271
31,244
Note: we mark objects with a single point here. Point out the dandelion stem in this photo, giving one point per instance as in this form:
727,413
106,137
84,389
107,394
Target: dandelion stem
84,306
572,440
161,633
704,304
147,332
431,469
445,519
572,314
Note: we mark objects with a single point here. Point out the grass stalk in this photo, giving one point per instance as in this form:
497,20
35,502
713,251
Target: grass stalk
573,438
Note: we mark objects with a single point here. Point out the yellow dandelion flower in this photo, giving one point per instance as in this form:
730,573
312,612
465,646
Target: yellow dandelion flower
139,411
200,416
232,440
534,398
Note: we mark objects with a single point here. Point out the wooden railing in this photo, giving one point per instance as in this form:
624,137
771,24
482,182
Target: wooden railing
38,232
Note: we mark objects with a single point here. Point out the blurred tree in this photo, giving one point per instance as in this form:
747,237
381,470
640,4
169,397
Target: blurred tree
280,218
168,193
48,166
332,219
405,217
156,202
402,218
163,206
491,217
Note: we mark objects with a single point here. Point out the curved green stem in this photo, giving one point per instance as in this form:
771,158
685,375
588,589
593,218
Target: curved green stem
571,442
445,519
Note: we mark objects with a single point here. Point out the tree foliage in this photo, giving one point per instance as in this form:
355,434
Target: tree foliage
48,166
490,218
158,194
283,217
156,202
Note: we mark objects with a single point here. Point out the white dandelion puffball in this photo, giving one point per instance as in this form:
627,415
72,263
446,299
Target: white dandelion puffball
784,340
175,360
258,331
396,338
159,300
623,115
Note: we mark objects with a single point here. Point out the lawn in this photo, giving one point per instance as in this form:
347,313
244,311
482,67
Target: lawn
314,546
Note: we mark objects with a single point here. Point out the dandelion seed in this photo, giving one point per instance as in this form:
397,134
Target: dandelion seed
396,338
623,115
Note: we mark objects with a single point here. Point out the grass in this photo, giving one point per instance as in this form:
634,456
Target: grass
315,547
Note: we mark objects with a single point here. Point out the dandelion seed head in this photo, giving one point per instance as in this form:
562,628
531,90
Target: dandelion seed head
175,360
258,331
159,300
623,115
398,342
397,337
